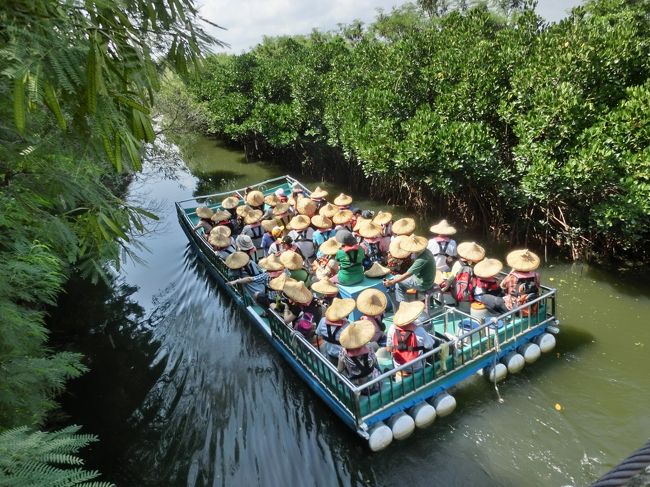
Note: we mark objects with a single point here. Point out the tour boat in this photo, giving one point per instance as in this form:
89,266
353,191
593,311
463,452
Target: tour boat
466,344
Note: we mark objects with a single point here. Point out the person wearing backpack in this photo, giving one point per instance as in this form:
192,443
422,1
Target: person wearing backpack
442,246
523,283
421,274
486,286
460,281
357,361
332,324
302,234
405,339
350,259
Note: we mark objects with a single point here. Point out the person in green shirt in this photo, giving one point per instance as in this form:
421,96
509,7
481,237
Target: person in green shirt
422,272
350,258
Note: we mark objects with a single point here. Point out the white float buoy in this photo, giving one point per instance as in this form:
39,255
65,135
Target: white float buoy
531,352
380,436
424,414
496,372
514,361
444,404
546,342
402,425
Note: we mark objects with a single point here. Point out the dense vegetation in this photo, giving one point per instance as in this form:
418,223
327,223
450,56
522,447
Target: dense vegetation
77,80
488,116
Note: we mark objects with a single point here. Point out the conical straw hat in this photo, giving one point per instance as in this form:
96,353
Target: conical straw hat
377,270
272,200
471,251
221,230
488,268
271,263
395,249
219,240
360,222
237,260
291,260
404,226
357,334
277,283
329,247
370,230
325,287
382,218
230,202
220,216
340,309
306,207
407,313
253,217
413,243
299,222
343,200
342,216
319,193
280,209
268,225
329,210
320,221
523,260
442,228
439,277
297,291
255,198
243,209
372,302
204,212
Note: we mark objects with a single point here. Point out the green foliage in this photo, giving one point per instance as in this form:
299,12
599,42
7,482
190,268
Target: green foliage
36,458
523,127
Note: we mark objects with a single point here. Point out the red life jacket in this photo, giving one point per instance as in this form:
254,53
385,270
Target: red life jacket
488,286
464,284
405,346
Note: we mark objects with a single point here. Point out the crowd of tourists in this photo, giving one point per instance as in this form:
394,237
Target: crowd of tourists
316,263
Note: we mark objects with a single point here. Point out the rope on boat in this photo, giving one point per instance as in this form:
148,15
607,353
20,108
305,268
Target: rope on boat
497,349
637,463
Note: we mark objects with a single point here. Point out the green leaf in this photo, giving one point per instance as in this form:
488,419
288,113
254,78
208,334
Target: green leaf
19,104
52,102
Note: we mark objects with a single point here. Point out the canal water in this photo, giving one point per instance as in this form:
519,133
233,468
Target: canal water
184,391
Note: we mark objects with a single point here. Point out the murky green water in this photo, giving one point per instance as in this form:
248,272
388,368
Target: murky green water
185,391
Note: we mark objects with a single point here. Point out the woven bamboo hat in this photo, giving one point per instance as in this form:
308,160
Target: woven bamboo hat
299,222
272,200
221,230
237,260
439,277
243,209
442,228
291,260
396,250
318,193
329,210
204,212
523,260
404,226
341,217
382,218
471,251
297,291
370,230
488,268
377,270
255,198
218,240
280,209
340,309
271,263
343,200
357,334
244,242
407,313
359,223
325,287
413,243
230,202
306,207
372,302
277,283
268,225
329,246
253,216
220,216
322,222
